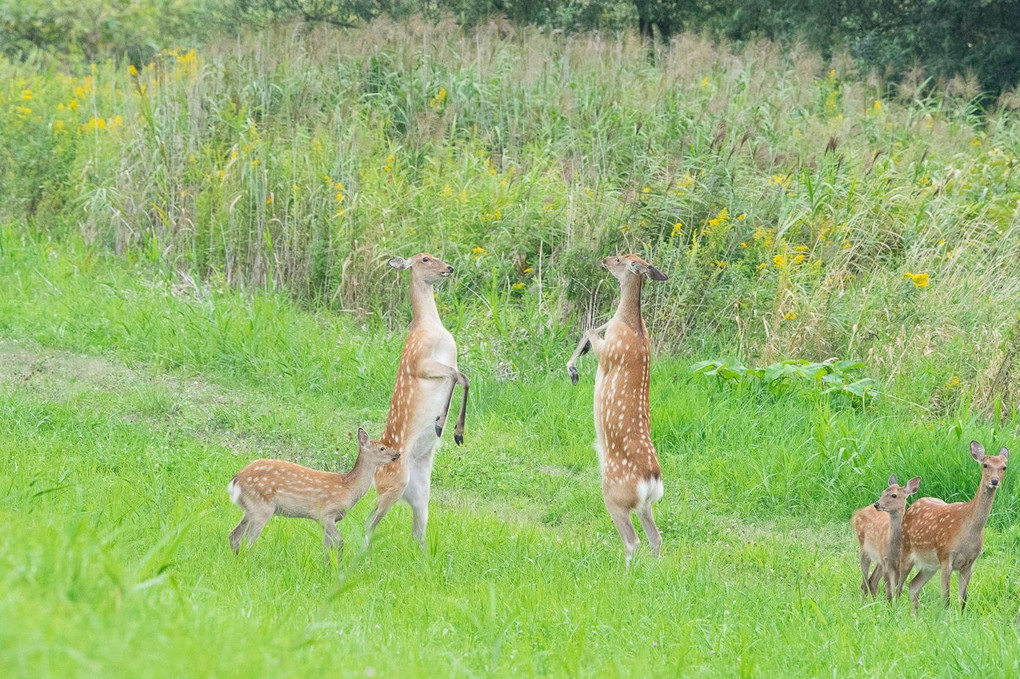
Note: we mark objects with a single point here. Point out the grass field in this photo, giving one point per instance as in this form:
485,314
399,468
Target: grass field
192,276
128,401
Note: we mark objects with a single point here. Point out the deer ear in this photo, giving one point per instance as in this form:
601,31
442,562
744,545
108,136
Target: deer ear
913,484
892,479
655,274
362,437
1004,451
977,450
635,268
400,263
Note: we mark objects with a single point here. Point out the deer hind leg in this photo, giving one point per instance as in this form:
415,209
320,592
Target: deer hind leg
651,530
417,494
621,518
250,527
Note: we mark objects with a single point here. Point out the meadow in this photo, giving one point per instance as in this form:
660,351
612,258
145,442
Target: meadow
192,260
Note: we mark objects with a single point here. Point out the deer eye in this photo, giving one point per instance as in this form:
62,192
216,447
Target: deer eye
894,496
425,259
985,466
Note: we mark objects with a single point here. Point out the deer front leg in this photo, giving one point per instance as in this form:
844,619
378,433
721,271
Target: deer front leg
437,370
589,340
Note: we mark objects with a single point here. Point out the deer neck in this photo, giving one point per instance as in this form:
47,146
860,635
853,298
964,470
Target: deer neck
895,535
423,304
981,506
358,480
629,311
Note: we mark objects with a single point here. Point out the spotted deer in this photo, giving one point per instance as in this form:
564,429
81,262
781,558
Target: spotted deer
879,534
267,488
948,537
426,378
631,476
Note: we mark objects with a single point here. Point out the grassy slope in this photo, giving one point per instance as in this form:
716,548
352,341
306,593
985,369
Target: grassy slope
126,405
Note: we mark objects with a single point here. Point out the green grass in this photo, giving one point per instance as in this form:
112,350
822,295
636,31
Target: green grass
127,400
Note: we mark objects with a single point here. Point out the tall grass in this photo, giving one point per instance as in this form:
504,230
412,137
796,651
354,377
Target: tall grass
797,211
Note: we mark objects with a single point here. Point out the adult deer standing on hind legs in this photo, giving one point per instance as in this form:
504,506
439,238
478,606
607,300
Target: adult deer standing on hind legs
631,475
426,378
949,537
879,534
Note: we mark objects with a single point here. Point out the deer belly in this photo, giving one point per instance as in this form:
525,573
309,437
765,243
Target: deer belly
925,559
420,431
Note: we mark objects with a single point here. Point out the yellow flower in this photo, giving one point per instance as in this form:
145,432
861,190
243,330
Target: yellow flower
954,382
721,217
26,95
527,270
801,248
269,199
742,216
685,181
762,266
743,245
677,229
779,261
779,179
73,105
23,111
975,142
877,106
646,190
704,83
799,259
920,280
479,251
790,316
339,197
721,263
518,286
132,70
389,160
58,125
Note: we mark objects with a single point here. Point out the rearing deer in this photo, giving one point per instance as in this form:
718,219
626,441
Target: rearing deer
426,378
631,475
879,534
949,537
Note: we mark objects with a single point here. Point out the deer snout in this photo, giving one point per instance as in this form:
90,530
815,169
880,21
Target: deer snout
995,481
396,456
877,507
449,269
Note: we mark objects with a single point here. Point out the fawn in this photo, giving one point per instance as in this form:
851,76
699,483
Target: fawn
944,536
631,475
879,533
273,487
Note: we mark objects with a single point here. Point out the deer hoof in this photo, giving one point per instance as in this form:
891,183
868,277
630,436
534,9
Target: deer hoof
573,375
458,439
439,430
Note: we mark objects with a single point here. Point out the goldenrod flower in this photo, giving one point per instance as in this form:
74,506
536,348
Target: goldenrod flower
920,280
518,286
677,229
479,251
26,95
527,270
789,316
779,261
132,70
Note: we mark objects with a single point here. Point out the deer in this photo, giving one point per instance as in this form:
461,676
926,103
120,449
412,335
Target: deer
426,378
631,475
949,537
268,488
879,535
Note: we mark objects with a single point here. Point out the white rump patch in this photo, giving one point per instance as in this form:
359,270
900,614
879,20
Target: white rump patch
649,491
235,492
